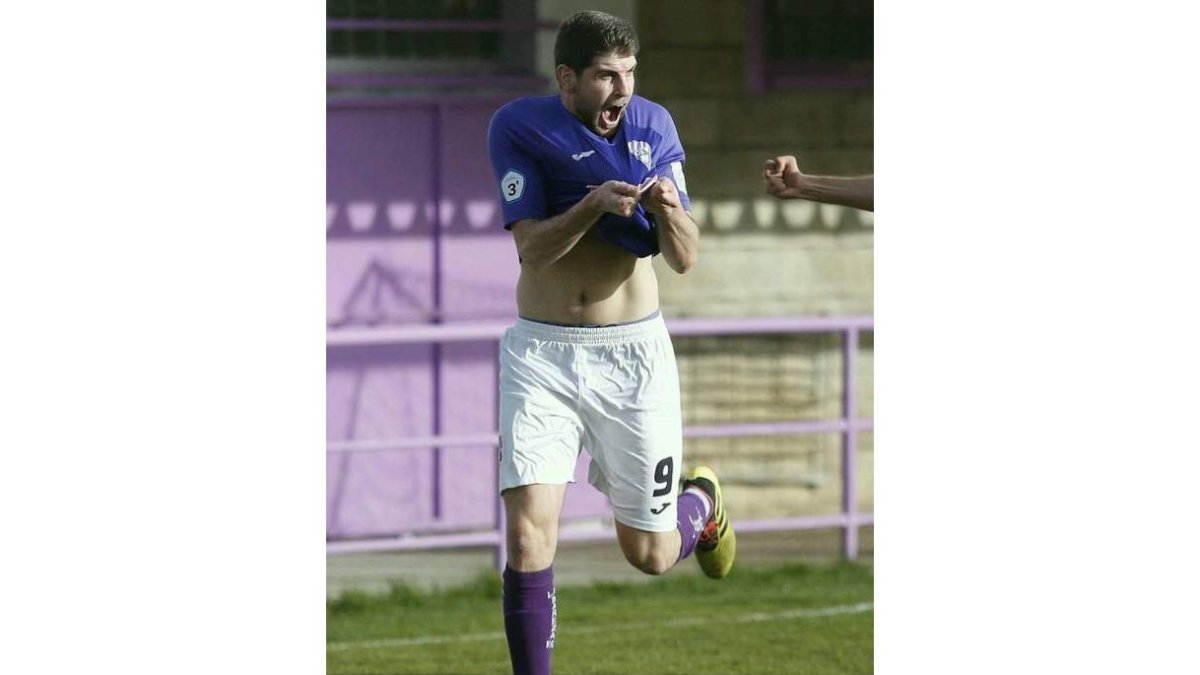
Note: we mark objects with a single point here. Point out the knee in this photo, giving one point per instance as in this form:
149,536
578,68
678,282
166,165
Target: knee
530,548
652,560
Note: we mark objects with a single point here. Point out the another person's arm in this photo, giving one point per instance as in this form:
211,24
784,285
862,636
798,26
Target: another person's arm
784,180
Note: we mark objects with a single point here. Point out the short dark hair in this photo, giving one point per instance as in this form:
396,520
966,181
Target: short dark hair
586,35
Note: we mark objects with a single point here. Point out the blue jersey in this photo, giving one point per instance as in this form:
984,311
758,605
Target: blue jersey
545,158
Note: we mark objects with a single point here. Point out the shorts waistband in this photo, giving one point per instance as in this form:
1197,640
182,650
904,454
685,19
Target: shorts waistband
641,329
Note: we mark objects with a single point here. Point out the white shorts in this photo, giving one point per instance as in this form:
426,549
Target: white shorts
611,389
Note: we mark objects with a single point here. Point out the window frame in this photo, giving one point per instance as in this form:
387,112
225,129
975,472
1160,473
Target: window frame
763,75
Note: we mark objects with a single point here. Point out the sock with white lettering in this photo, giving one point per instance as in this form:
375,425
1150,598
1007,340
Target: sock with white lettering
530,619
694,510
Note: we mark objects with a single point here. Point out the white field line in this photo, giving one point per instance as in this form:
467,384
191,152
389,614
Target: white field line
585,630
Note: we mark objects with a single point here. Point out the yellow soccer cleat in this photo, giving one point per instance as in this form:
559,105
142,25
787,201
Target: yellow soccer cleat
717,545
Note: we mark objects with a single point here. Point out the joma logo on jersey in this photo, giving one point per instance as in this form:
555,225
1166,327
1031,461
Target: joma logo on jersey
641,150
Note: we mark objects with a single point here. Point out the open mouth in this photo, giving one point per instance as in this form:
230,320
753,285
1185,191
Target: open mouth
611,115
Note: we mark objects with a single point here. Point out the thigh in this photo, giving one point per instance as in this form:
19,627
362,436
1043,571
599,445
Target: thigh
540,428
635,435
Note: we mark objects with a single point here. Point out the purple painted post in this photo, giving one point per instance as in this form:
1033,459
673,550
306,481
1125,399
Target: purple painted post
756,82
501,557
850,444
435,139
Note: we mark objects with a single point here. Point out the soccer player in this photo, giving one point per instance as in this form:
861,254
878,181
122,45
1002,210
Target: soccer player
784,180
591,184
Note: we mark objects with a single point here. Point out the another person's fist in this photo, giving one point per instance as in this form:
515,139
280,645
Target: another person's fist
783,178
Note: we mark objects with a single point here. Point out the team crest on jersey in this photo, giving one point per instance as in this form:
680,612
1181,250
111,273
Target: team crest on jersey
641,150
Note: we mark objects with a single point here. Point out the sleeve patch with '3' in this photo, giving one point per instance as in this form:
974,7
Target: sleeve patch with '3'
512,186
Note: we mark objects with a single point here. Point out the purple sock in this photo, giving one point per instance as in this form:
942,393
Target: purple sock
530,619
690,517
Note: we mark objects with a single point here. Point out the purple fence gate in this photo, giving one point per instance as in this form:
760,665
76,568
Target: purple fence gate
483,440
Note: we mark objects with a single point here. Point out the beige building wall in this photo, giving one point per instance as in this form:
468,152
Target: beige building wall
762,257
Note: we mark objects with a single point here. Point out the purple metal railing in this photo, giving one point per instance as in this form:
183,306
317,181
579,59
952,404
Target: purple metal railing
450,25
848,425
361,79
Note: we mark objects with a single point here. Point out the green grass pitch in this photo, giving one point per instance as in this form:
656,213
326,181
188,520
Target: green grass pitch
801,619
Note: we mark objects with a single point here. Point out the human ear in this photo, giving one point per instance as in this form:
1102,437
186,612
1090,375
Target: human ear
566,78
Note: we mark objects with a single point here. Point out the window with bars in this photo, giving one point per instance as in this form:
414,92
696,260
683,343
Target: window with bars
385,43
430,47
803,43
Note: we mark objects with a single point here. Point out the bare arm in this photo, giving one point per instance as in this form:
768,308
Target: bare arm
784,180
678,236
541,243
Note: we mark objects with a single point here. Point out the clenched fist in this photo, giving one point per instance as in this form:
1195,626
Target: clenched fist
783,178
617,197
661,197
